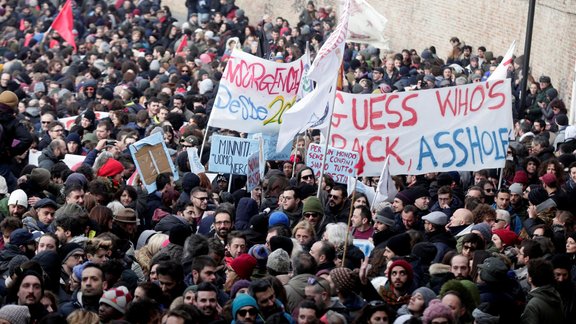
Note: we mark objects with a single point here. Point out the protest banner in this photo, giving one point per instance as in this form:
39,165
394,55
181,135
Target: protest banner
230,154
462,128
254,93
151,157
72,160
69,122
195,163
269,147
340,164
253,171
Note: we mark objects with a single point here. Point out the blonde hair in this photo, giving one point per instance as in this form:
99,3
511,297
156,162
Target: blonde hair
81,316
147,252
305,225
95,244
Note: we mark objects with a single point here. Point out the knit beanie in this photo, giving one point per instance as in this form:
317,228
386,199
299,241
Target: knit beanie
403,196
520,177
400,244
15,314
312,205
463,293
484,229
179,234
243,265
68,249
41,177
473,290
118,298
9,99
242,283
18,197
111,168
508,237
344,279
76,179
192,288
436,310
278,218
427,293
516,188
404,264
279,261
243,300
260,252
537,196
426,251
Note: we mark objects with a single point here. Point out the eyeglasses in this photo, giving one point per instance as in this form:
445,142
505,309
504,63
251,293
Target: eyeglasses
308,177
313,215
468,247
489,190
251,311
46,122
334,196
202,198
313,281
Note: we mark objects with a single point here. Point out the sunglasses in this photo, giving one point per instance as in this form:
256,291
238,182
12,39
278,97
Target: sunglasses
308,177
202,198
313,281
251,311
308,215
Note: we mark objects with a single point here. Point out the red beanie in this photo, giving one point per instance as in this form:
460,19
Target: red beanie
111,168
508,237
520,177
243,265
403,264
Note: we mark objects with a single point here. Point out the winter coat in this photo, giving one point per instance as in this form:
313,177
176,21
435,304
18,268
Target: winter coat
47,159
295,290
544,305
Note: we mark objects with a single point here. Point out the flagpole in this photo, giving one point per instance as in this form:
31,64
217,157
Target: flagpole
321,177
295,156
349,219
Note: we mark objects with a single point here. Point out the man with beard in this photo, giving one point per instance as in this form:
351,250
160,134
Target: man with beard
460,267
398,289
338,205
291,205
171,279
17,203
53,153
245,309
564,285
21,243
55,130
264,294
529,250
222,224
28,290
207,303
91,290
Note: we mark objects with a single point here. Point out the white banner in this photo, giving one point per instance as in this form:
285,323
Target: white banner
463,128
254,93
230,154
366,25
340,164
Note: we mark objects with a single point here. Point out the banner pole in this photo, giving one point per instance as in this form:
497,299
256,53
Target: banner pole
321,176
349,219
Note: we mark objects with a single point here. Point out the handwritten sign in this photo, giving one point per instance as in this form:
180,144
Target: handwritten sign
462,128
151,157
69,122
195,163
230,154
253,171
254,93
269,147
340,164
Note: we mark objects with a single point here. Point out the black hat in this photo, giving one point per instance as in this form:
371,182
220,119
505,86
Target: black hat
46,202
545,79
386,216
400,244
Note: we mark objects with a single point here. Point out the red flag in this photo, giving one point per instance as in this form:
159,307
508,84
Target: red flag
183,44
64,24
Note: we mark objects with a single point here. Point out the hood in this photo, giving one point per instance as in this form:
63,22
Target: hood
439,268
547,294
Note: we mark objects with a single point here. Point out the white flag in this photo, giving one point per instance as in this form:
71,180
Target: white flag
366,25
386,188
501,71
315,109
360,187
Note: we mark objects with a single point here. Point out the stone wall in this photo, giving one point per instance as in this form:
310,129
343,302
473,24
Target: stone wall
491,23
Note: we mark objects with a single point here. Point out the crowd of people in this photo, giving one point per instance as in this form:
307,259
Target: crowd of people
87,243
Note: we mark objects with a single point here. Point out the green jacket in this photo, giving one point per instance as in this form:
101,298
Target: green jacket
544,306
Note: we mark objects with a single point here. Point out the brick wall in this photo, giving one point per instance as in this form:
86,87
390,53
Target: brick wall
491,23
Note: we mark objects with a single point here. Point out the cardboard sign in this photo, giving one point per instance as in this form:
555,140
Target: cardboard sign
151,157
253,171
340,164
462,128
230,154
195,163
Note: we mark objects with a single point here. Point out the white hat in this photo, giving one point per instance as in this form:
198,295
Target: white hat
18,197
